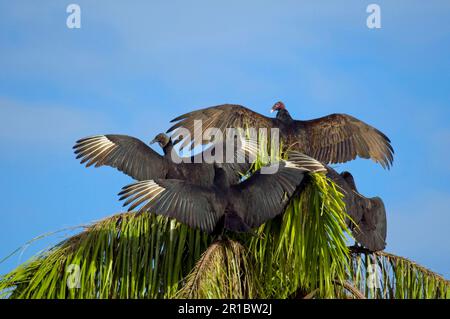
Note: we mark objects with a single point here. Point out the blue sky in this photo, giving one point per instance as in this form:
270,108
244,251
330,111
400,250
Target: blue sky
130,69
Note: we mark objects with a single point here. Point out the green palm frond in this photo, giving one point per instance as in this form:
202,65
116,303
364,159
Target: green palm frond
225,270
146,256
300,254
123,256
384,275
306,247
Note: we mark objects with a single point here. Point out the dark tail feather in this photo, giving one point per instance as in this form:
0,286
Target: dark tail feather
235,223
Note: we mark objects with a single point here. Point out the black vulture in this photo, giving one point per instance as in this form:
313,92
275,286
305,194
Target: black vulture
134,158
239,207
369,226
335,138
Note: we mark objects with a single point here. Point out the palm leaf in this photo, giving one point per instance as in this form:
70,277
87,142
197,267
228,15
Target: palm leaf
384,275
123,256
301,254
225,270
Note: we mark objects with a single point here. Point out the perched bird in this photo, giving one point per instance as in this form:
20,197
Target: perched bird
336,138
369,226
239,207
134,158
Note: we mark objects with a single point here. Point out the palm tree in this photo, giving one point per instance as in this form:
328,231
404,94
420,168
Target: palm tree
301,254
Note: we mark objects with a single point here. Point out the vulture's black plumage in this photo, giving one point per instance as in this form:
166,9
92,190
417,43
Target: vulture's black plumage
239,207
369,214
134,158
335,138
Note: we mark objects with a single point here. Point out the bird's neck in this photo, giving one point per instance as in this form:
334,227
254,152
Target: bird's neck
220,179
350,180
284,116
168,148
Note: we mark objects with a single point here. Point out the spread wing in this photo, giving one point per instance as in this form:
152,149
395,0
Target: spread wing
335,138
188,203
372,229
369,214
263,196
221,117
338,138
126,153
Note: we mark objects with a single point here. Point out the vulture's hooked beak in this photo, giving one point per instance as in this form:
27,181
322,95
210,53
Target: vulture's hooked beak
153,141
272,110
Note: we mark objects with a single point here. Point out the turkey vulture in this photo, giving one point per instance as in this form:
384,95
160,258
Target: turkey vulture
239,207
335,138
134,158
369,225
